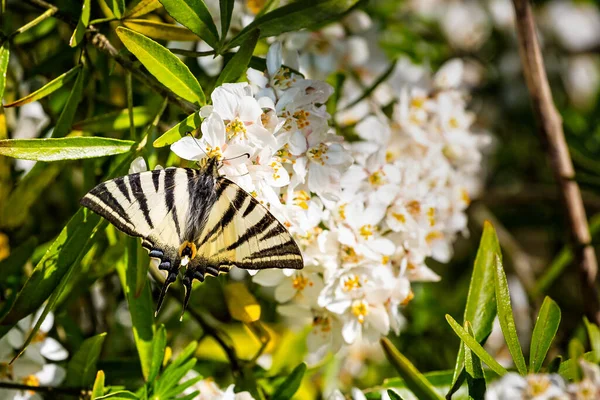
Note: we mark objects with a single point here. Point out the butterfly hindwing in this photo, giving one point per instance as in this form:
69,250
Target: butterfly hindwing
242,232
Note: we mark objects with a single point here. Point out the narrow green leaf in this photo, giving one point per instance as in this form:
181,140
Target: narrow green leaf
47,89
480,309
160,30
142,7
191,123
98,388
120,395
368,91
570,369
14,263
194,15
554,365
158,352
177,390
82,367
15,210
592,331
507,320
65,120
69,148
117,7
171,376
475,347
4,56
290,386
164,65
415,381
393,395
270,5
475,376
116,121
226,7
546,326
82,25
140,308
239,62
295,16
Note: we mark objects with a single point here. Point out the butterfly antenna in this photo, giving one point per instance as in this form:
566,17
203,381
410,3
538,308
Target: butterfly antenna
200,147
236,157
187,285
170,279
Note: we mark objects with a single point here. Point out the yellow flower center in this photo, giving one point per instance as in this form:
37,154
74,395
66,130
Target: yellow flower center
464,195
352,282
417,102
300,282
213,153
301,198
414,207
254,6
431,216
453,122
349,255
385,259
324,323
399,217
342,211
301,118
538,385
366,231
434,235
31,380
389,156
408,298
235,128
319,154
360,309
377,178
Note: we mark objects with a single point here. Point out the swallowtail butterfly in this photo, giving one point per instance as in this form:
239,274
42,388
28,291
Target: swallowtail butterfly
197,219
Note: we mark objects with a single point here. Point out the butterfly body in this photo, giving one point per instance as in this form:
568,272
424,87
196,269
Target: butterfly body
196,219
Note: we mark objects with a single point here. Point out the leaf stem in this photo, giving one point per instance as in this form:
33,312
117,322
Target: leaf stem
553,139
47,14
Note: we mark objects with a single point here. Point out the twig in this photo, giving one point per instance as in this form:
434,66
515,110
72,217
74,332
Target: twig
100,41
553,139
44,389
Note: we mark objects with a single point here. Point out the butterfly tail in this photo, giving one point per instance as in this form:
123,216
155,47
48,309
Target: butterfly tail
171,277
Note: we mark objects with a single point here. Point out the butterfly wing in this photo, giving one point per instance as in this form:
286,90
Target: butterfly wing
242,232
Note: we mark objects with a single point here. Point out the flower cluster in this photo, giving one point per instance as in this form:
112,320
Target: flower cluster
547,386
366,214
33,367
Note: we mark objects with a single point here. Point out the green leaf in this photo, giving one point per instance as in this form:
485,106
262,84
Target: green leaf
65,120
368,91
415,381
290,386
120,395
177,390
158,352
480,309
15,210
475,376
295,16
507,320
69,148
164,65
82,367
593,335
226,7
194,15
14,263
191,123
117,7
171,376
116,121
82,25
393,395
239,62
546,326
554,365
4,56
98,388
142,7
570,369
160,30
140,308
475,346
48,88
268,6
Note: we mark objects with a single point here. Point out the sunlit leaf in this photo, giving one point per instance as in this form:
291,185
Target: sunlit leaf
160,30
546,326
82,25
48,88
239,62
16,260
142,7
475,347
117,7
164,65
98,388
507,320
69,148
194,15
120,395
4,56
82,367
473,368
159,344
294,16
186,126
241,303
116,121
415,381
593,335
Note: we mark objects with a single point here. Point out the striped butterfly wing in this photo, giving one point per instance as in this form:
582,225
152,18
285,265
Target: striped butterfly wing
242,232
152,205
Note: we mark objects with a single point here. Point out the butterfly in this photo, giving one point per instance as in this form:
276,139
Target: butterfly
196,219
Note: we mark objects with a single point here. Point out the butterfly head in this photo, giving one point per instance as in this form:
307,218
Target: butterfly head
211,164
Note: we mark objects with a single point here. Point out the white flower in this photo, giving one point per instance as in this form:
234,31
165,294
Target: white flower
534,387
466,25
210,391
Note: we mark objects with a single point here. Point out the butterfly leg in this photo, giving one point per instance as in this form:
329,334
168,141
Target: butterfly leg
171,277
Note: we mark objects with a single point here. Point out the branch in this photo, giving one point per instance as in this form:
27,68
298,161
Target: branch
553,139
100,41
50,390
